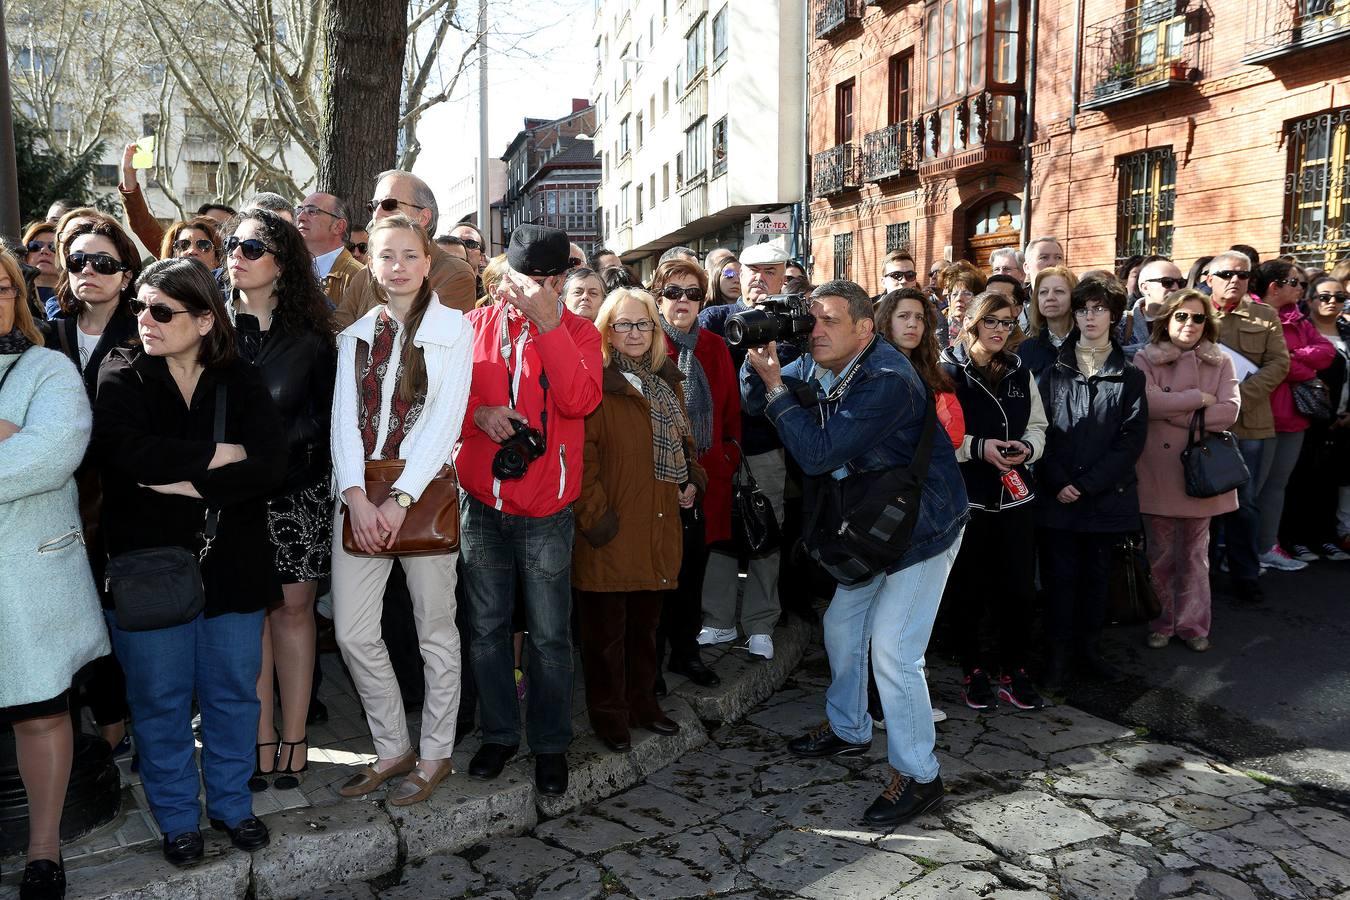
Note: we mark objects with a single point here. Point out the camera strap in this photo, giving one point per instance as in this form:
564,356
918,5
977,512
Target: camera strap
513,355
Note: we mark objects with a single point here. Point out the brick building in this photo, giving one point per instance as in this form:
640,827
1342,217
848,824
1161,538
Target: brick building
1172,126
552,174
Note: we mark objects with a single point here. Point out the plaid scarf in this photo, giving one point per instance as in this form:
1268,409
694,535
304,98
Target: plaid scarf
697,393
14,342
669,425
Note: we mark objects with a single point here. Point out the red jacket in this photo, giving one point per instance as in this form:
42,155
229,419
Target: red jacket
1309,353
569,356
722,458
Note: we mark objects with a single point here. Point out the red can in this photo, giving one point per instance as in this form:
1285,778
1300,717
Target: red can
1015,485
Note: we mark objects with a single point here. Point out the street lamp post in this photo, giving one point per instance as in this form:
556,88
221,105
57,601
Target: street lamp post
9,168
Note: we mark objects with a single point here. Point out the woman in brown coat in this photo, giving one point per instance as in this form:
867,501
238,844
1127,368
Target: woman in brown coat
640,469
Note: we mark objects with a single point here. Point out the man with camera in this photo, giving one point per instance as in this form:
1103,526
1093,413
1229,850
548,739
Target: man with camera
885,507
536,375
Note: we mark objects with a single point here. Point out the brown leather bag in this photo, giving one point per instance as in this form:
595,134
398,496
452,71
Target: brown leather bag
431,527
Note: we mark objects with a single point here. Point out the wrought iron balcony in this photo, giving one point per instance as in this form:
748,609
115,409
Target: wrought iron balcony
835,15
835,171
887,153
1147,48
1278,28
975,132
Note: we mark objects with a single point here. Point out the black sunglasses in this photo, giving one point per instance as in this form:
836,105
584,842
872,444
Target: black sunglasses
356,247
994,323
252,248
671,292
35,246
389,204
102,263
1170,284
901,276
1229,276
1339,297
1290,282
183,244
160,312
1181,318
471,243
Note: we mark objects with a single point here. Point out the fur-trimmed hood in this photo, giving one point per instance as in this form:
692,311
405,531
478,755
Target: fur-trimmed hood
1166,353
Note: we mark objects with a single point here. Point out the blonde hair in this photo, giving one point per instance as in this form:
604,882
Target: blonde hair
23,316
656,354
1034,306
492,275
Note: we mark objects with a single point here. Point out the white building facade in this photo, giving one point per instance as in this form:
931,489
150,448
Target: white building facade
701,121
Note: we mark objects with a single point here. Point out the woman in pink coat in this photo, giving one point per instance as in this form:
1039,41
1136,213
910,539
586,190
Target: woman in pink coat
1184,370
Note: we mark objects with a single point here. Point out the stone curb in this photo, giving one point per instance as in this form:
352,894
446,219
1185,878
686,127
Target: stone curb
356,841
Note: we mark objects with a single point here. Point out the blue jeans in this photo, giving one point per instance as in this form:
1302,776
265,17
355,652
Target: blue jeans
499,551
1242,527
894,613
217,660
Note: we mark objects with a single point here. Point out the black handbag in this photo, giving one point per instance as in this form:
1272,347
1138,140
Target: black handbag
1212,462
754,527
161,587
1132,599
1312,398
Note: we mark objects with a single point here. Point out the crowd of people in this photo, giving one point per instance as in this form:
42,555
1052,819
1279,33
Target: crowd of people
465,470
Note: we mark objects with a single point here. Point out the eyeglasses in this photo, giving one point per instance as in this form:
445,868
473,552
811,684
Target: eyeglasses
1089,311
389,204
11,292
901,276
1170,284
470,243
994,323
643,326
310,209
203,246
160,312
671,292
35,246
1230,275
730,272
102,263
252,248
356,246
1181,318
1339,297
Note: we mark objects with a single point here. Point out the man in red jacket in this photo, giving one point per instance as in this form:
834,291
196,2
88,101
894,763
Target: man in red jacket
536,375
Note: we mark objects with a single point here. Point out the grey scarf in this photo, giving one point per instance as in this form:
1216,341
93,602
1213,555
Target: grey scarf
697,393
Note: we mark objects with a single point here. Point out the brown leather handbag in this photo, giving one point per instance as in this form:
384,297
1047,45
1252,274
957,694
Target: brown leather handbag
431,527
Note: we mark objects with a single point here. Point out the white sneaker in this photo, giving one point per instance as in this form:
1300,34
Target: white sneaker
760,645
938,715
1277,559
879,724
1333,553
716,636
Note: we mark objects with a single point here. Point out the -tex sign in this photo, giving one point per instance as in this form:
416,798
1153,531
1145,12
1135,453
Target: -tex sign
771,223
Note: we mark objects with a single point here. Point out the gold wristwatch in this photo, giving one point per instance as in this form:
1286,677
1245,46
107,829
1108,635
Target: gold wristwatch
402,499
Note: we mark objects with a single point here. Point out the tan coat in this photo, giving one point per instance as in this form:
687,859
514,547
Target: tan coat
1254,330
451,278
629,534
345,267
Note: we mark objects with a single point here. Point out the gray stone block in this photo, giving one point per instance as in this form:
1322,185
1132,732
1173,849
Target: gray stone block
813,865
1326,870
690,864
707,779
1204,812
440,876
142,875
352,841
1027,822
959,883
746,681
587,834
515,860
464,811
580,880
1097,874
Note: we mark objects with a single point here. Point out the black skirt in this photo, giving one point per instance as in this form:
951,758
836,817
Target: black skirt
300,525
43,708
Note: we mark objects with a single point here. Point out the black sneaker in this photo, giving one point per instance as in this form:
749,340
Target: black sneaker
1016,689
249,835
977,692
903,799
1246,590
821,741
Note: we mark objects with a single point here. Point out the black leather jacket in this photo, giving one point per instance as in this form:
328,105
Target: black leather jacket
298,370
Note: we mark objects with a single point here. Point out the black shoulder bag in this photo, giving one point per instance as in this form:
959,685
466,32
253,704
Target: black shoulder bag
1212,462
754,527
161,587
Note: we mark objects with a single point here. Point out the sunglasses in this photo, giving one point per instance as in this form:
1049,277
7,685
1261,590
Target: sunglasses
160,312
1339,297
901,276
310,209
1290,282
389,204
102,263
730,272
644,326
356,247
1229,275
35,246
1181,318
476,245
202,245
671,292
252,248
571,260
993,323
1170,284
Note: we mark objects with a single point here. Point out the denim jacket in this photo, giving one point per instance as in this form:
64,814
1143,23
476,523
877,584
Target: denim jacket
874,425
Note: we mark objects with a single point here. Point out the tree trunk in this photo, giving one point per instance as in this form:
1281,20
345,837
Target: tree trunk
359,137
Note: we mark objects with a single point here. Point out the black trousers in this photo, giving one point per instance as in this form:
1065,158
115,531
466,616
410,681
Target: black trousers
682,611
1075,566
992,591
1311,498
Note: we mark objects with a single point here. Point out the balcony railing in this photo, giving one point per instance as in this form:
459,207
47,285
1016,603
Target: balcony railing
887,153
1145,49
835,15
977,131
1278,28
835,171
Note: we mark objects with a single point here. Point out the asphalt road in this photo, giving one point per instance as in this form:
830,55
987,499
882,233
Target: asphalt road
1273,692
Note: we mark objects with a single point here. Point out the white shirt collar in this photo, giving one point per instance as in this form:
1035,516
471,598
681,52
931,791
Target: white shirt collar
324,264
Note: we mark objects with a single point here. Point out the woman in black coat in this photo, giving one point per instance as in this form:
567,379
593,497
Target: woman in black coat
1098,423
163,470
284,328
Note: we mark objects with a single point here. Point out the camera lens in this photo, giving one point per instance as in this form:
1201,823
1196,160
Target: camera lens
751,328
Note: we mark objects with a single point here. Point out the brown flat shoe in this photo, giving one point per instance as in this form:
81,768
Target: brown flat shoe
368,778
424,787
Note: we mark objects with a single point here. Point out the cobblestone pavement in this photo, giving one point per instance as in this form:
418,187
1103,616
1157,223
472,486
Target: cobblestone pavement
1050,804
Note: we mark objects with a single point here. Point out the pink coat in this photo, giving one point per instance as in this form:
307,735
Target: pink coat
1309,353
1173,382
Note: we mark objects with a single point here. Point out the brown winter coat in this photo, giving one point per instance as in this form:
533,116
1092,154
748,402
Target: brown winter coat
1173,383
1254,330
629,536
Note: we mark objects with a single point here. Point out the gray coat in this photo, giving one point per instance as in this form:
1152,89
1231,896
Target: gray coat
50,621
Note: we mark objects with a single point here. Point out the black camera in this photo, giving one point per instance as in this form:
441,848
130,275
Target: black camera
517,452
785,318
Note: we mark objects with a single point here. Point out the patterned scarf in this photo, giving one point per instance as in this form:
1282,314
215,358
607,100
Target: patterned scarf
14,343
402,415
697,393
669,425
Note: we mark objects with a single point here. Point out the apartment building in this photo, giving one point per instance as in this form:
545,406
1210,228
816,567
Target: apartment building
551,176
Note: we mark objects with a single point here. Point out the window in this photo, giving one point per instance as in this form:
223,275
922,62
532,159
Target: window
693,50
1148,190
651,114
637,57
897,88
970,47
599,55
624,215
843,255
1317,203
651,191
106,175
606,165
719,147
695,142
665,182
637,204
897,237
679,171
202,177
195,127
639,131
665,96
623,137
679,82
843,113
719,37
625,57
40,61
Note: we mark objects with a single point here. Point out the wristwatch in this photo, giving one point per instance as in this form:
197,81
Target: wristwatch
402,499
775,393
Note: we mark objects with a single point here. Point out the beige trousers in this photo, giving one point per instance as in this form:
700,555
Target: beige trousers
358,600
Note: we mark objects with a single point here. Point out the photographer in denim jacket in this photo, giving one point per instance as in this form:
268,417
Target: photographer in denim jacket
864,412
